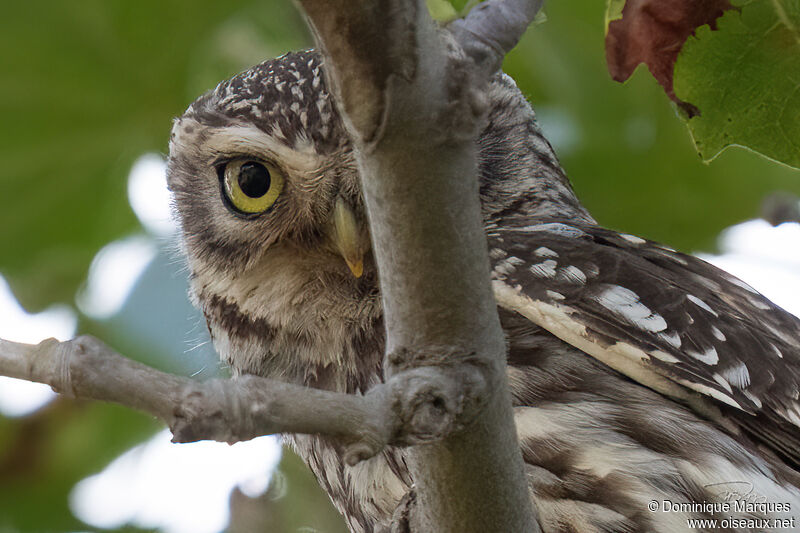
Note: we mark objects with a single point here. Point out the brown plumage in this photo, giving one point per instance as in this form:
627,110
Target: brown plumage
638,373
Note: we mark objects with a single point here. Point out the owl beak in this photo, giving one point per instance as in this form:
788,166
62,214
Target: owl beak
348,236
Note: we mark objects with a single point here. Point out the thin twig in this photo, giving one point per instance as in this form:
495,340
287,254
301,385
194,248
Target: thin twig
492,29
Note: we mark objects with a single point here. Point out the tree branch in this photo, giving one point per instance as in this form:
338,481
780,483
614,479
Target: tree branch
413,98
398,412
492,29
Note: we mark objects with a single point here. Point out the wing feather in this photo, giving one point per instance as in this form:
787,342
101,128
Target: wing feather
665,319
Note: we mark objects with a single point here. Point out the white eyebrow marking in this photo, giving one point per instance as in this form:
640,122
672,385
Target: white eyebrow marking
251,140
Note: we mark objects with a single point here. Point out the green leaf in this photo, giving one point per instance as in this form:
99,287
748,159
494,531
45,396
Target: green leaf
613,11
629,159
441,10
745,79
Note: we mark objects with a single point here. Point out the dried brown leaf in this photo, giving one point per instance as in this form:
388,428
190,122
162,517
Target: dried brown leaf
653,32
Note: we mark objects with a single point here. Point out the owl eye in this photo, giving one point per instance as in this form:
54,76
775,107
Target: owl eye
251,187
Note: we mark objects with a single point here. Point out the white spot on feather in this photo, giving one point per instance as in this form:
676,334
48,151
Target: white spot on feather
708,356
710,391
760,304
753,398
664,356
671,337
547,269
507,266
572,274
633,239
722,381
297,93
739,283
675,257
737,375
700,303
717,333
497,253
622,357
553,295
792,416
707,283
543,251
625,303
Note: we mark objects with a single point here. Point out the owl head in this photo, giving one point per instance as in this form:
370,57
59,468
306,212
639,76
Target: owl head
267,193
263,161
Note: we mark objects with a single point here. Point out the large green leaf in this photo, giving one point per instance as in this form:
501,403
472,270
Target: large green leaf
622,145
745,79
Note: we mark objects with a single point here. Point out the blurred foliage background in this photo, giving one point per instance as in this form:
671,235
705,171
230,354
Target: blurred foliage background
86,88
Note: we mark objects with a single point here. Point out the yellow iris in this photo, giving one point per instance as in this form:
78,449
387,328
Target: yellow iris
251,186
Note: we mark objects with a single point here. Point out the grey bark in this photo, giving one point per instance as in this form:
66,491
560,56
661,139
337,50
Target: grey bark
233,410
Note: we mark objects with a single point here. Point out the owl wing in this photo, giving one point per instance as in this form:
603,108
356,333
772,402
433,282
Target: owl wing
667,320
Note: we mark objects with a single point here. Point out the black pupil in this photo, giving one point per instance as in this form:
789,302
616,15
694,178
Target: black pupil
254,179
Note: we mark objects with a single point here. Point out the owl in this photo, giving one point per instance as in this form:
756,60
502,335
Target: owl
638,374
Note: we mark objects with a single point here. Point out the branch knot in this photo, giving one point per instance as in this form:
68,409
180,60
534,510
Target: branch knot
435,392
